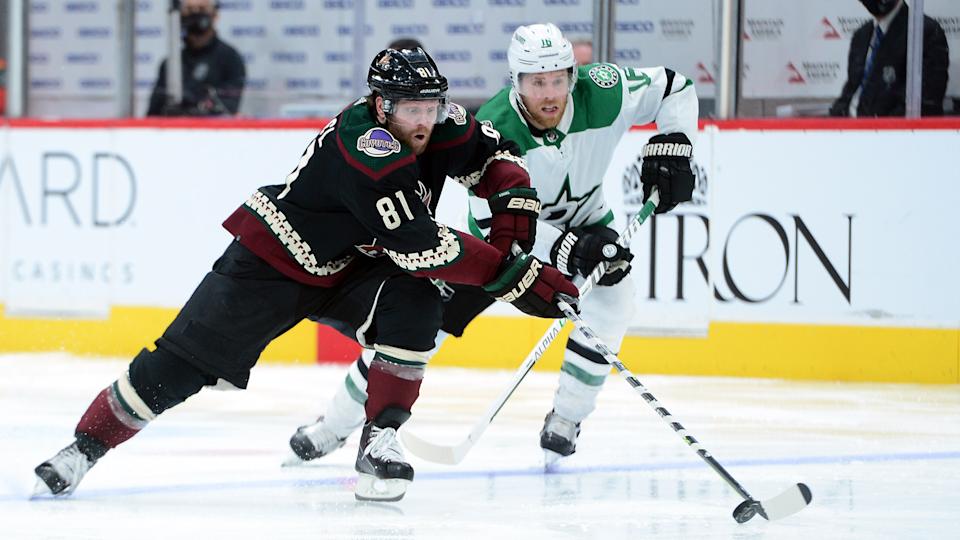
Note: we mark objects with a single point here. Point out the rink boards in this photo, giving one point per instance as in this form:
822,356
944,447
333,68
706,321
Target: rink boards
811,250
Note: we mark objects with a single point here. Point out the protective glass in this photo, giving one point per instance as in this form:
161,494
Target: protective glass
419,112
545,85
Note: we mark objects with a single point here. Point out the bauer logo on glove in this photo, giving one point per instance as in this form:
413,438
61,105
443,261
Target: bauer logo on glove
524,283
515,212
530,286
530,205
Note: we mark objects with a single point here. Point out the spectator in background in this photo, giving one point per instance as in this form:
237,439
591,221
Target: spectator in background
213,71
583,51
877,65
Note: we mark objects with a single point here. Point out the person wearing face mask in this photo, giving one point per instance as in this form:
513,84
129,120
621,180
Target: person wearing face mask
213,71
877,65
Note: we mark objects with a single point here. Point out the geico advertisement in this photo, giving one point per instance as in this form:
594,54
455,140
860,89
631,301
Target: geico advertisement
813,227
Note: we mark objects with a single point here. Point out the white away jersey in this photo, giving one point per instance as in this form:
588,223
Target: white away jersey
567,163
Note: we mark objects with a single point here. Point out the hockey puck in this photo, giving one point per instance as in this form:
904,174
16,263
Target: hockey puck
745,511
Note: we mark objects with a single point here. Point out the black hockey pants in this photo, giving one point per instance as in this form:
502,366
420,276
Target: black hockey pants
243,304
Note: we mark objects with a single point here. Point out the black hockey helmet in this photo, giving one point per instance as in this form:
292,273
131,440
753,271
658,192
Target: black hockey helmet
398,74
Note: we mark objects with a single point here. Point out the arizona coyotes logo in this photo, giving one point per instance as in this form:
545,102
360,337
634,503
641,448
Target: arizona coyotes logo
425,194
378,142
457,113
371,250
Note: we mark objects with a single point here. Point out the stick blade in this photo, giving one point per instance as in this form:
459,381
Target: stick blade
791,501
435,453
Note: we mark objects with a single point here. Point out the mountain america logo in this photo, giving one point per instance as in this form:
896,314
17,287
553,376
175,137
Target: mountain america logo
604,76
795,76
703,74
829,31
378,142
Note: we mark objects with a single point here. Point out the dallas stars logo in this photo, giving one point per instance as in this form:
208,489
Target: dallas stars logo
566,206
604,76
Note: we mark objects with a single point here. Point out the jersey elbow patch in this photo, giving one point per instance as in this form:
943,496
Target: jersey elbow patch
449,251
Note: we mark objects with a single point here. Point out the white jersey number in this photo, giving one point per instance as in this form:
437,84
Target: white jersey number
305,158
388,211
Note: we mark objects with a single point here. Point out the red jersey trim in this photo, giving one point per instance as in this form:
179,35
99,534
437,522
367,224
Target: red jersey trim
828,124
374,175
454,142
250,232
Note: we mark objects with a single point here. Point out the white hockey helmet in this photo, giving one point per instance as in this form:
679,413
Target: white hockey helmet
540,48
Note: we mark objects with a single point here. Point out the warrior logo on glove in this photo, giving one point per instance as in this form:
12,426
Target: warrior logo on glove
666,166
581,249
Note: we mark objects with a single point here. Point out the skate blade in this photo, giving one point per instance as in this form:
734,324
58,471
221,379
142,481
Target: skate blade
551,459
371,488
290,459
41,490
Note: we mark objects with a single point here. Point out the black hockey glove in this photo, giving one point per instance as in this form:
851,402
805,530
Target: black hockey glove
666,166
515,212
531,286
580,250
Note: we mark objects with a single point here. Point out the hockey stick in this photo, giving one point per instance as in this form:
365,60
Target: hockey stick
451,455
791,501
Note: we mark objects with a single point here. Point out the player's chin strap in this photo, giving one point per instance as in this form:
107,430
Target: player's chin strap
791,501
451,455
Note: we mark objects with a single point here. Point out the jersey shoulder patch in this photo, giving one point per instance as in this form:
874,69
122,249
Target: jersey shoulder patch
603,75
597,97
367,146
504,118
456,129
457,113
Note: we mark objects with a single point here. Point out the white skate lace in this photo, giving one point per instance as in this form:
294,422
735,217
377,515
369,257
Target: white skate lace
561,426
71,464
385,446
321,436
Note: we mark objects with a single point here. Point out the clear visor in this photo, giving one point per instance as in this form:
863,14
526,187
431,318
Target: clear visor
552,84
408,112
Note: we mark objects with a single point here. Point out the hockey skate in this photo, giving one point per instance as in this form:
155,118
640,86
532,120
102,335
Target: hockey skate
384,474
313,441
60,474
558,438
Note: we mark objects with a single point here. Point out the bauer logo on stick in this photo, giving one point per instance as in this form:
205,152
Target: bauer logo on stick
378,142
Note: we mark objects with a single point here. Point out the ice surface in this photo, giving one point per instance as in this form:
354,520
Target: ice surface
883,461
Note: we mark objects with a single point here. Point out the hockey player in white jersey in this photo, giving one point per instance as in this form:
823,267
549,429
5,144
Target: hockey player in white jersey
567,119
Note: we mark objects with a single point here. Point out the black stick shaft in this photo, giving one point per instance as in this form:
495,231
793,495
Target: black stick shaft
649,398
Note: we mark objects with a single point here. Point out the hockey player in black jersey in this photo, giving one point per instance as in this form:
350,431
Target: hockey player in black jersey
348,239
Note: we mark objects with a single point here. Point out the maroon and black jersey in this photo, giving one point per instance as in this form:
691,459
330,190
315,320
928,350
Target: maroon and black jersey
358,191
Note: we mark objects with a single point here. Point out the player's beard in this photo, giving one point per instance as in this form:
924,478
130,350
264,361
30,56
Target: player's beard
545,113
416,138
